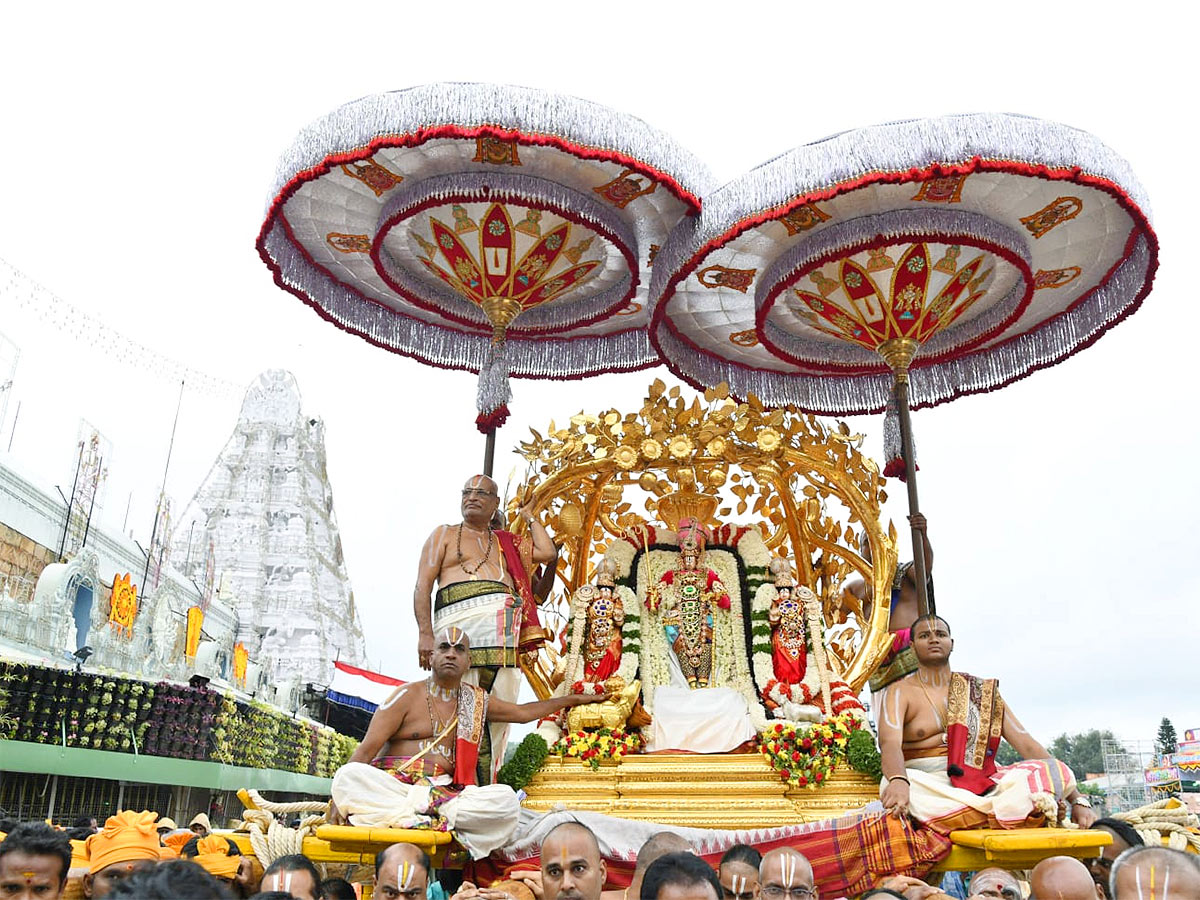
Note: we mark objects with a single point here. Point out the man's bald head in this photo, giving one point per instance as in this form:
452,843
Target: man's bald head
1167,874
571,865
480,483
401,873
654,847
1062,878
999,884
661,844
782,870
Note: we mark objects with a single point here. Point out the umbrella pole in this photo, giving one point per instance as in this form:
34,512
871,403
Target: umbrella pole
898,353
489,452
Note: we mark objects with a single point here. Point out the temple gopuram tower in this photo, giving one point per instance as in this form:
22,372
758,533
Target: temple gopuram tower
262,527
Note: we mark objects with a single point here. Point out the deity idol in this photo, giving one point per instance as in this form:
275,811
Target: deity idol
797,691
688,597
605,617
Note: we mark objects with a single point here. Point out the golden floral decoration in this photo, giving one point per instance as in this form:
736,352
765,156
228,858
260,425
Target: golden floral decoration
803,482
768,440
625,457
680,446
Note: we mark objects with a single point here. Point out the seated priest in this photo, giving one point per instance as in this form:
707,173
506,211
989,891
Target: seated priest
938,735
417,761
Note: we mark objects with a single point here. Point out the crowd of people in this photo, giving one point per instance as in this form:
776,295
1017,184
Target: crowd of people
139,855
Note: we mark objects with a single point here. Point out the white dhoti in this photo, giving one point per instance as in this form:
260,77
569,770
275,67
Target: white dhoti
1026,793
481,818
705,720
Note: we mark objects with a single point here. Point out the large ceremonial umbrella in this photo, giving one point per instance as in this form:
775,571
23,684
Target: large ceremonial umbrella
481,227
972,250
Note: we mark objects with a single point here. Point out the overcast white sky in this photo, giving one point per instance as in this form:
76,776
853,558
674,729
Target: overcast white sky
138,143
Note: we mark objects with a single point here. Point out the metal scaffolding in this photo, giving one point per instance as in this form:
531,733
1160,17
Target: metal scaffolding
1125,771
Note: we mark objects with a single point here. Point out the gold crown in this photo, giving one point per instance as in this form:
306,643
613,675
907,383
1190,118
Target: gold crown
679,505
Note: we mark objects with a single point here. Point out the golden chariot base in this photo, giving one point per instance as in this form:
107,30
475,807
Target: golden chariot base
731,790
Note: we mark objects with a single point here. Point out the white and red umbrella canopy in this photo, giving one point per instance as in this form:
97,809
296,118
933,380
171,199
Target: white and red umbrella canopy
994,244
482,227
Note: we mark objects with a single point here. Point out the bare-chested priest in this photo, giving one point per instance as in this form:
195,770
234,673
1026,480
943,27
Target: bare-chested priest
483,579
419,755
938,735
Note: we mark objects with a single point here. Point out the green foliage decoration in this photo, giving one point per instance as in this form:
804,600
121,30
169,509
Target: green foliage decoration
862,754
525,762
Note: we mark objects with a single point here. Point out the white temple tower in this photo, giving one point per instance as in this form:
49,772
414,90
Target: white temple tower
264,515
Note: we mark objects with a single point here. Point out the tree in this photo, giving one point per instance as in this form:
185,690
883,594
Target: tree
1006,755
1081,752
1166,741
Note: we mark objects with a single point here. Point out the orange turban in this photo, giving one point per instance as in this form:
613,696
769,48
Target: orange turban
212,853
126,837
176,841
79,855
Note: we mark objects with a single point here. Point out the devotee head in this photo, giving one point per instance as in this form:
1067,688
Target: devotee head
165,826
785,874
1165,874
127,844
34,861
994,884
931,639
340,889
295,874
1062,878
571,865
1123,837
401,873
738,872
659,844
171,880
218,856
680,876
88,822
451,655
200,824
480,500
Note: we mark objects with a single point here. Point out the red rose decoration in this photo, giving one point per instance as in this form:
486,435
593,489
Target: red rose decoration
795,756
803,780
806,743
778,729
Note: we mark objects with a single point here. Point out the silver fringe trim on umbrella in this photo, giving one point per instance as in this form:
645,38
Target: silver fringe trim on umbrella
492,392
467,105
915,144
451,348
980,370
894,463
898,224
555,315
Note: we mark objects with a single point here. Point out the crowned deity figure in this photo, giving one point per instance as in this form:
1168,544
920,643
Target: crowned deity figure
605,617
796,690
687,598
789,653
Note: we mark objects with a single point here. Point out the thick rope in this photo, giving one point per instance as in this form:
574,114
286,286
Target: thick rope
272,840
1164,819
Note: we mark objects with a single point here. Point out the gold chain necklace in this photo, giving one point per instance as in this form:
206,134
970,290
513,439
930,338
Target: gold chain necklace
438,727
486,556
941,722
